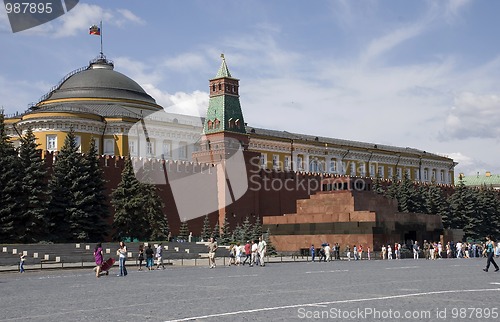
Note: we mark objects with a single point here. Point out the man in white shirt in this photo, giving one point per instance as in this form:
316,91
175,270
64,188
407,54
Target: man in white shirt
328,251
262,248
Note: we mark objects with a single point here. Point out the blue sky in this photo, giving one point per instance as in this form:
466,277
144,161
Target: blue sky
423,74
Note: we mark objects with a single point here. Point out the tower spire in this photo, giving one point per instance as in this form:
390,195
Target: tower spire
223,70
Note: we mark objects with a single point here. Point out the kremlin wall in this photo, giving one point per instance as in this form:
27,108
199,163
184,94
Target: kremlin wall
220,166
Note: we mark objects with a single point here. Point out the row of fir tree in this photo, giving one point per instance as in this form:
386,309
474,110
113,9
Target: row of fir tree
475,210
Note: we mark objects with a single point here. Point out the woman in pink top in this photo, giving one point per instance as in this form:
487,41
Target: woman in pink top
98,258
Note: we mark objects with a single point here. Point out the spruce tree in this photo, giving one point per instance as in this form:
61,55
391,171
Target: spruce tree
271,250
94,203
70,205
32,219
246,230
257,229
128,201
153,209
435,202
206,232
462,209
225,233
236,235
183,231
10,199
377,186
216,232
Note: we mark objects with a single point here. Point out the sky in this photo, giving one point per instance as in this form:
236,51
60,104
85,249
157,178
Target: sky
420,74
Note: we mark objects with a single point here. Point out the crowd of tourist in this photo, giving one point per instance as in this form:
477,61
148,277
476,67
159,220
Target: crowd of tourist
254,252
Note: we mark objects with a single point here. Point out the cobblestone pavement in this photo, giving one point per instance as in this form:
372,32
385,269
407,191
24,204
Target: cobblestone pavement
404,290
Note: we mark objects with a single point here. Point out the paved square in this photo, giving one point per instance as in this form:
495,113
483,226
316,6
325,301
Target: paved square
412,290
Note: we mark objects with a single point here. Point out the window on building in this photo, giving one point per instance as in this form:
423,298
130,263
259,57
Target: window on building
426,175
216,123
109,146
287,163
150,147
353,168
399,173
167,149
52,142
333,165
362,169
210,125
433,178
96,144
408,173
344,167
263,160
78,143
213,87
417,174
183,150
220,86
299,163
276,160
380,171
132,147
441,176
390,172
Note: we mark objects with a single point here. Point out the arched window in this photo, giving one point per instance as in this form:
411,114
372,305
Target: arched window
217,123
230,123
210,125
213,87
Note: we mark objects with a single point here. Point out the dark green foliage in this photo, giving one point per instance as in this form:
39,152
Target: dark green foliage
271,250
257,229
236,234
246,230
377,186
435,202
207,230
10,185
407,194
225,233
153,210
183,231
463,210
32,220
128,201
216,232
66,190
489,202
94,203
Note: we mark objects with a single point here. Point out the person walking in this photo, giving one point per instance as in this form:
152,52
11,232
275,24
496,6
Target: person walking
22,259
312,250
99,259
159,256
122,254
212,247
328,252
416,249
262,251
140,256
255,254
348,252
489,250
248,253
337,251
149,257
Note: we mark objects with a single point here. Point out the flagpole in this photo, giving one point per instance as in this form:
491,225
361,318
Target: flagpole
100,26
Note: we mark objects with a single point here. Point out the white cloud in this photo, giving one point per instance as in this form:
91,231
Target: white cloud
128,16
453,9
4,22
473,115
186,62
80,18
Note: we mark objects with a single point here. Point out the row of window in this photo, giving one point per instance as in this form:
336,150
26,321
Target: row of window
165,149
231,124
350,168
229,88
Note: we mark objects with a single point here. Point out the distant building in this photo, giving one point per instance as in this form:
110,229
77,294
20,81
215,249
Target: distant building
488,179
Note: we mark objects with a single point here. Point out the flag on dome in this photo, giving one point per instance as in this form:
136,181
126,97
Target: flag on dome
95,30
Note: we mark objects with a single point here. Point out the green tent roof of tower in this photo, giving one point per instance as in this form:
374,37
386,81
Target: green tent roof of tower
223,70
224,110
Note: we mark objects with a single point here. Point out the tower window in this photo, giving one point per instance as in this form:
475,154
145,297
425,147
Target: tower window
210,125
220,86
217,123
213,88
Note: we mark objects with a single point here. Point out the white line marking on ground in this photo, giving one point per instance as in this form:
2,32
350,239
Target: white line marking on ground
402,267
253,275
275,308
335,271
494,283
